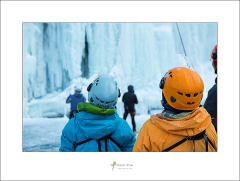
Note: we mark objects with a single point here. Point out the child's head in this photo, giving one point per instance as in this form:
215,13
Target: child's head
103,92
182,89
77,90
131,88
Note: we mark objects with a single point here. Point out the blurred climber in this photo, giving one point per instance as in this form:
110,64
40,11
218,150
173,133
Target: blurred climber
130,99
74,99
211,101
183,125
97,127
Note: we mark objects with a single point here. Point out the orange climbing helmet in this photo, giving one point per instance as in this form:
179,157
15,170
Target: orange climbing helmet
182,88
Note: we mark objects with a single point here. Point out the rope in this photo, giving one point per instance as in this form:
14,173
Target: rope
180,36
181,40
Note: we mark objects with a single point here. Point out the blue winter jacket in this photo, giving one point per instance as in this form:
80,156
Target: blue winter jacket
74,100
87,125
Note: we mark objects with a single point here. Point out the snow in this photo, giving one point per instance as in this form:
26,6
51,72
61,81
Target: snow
43,134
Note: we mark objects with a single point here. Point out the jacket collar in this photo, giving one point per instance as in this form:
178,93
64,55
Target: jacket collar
87,107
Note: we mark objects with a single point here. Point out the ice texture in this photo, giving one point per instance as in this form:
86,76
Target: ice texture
58,56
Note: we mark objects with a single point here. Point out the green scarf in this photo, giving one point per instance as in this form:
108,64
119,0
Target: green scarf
174,115
87,107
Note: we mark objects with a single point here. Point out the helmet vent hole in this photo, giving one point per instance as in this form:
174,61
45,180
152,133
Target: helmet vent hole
190,103
180,93
91,99
173,99
195,94
188,95
96,81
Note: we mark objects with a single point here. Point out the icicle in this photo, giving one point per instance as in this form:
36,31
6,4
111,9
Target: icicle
84,63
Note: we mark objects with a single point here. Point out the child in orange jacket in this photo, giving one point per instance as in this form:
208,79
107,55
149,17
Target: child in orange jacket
183,126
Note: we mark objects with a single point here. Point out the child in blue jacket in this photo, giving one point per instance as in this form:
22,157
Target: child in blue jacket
97,126
74,99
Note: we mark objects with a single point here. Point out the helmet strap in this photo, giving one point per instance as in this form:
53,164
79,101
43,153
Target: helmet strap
170,108
89,87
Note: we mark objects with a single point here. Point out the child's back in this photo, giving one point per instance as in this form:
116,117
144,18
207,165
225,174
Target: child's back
97,126
166,131
97,132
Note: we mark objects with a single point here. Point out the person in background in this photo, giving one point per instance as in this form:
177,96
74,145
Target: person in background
97,127
183,125
74,99
211,101
130,99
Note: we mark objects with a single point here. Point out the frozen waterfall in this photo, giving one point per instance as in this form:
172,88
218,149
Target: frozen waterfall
57,56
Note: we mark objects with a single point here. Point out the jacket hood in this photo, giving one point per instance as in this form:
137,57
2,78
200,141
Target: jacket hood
189,125
78,95
96,126
131,89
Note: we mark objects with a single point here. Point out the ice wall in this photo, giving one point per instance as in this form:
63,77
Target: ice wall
57,56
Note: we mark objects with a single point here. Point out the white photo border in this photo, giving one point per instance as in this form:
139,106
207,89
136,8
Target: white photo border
18,165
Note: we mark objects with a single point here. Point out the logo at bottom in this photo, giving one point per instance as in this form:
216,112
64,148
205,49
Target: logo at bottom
121,166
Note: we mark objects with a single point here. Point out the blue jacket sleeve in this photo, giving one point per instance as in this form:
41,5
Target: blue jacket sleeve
127,137
128,146
69,99
84,99
67,138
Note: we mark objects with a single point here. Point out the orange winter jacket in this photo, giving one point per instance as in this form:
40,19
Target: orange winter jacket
159,133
